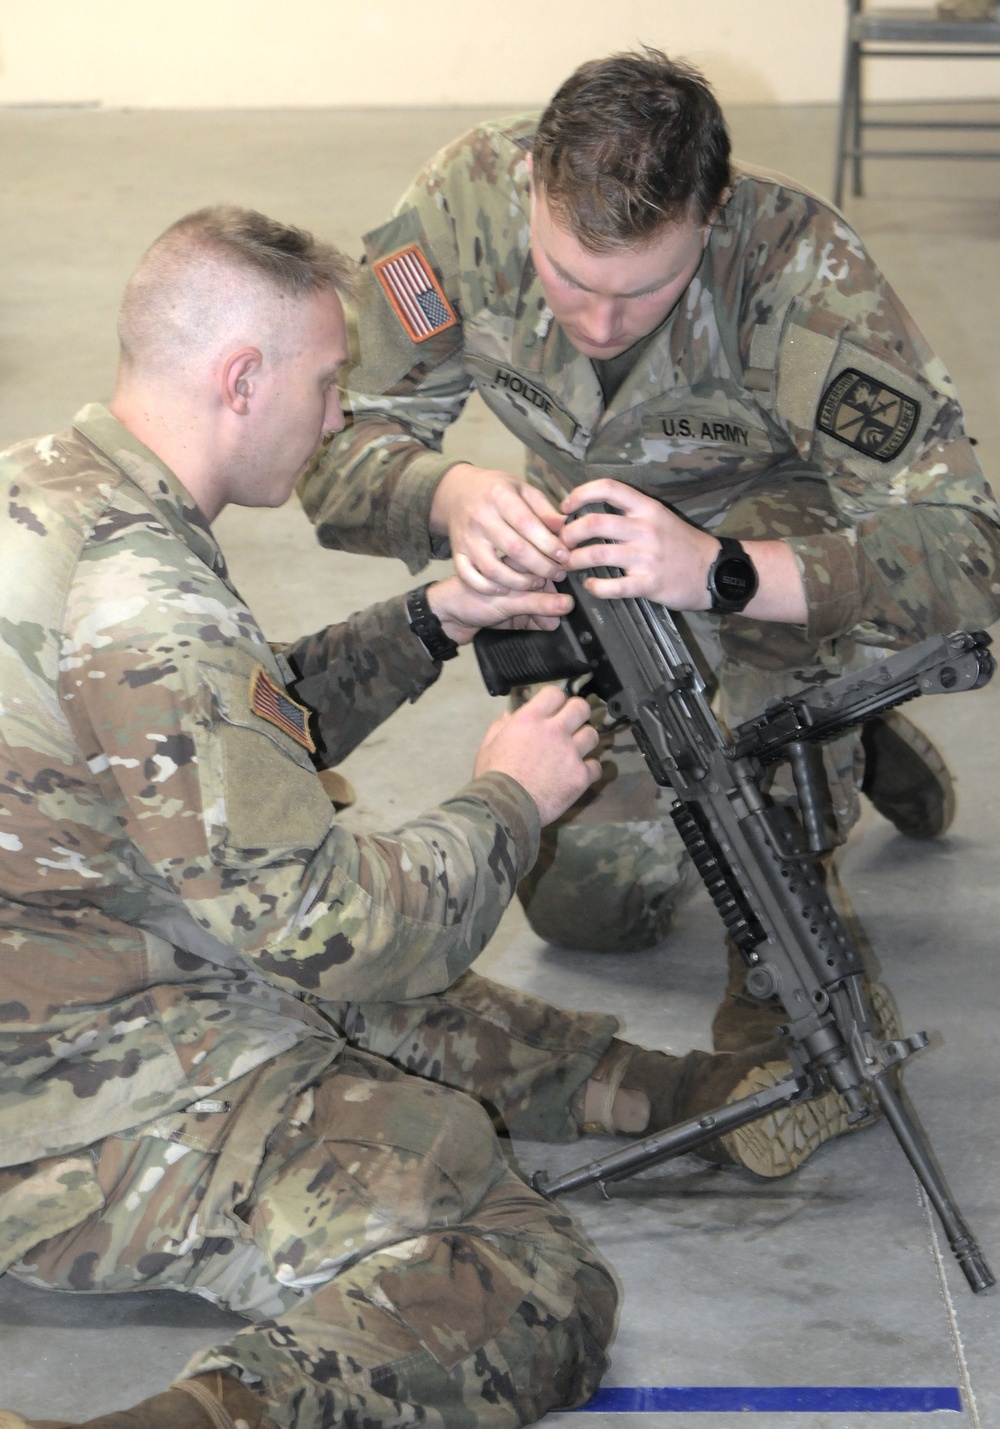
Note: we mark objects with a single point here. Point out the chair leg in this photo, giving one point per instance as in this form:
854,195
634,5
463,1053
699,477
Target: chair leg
856,102
849,119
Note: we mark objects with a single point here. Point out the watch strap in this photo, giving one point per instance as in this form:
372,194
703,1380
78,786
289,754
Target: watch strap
427,627
723,600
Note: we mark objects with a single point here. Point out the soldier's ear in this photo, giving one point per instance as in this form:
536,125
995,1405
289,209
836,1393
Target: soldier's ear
239,372
531,175
716,214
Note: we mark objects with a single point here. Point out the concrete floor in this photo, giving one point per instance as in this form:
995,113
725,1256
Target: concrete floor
831,1279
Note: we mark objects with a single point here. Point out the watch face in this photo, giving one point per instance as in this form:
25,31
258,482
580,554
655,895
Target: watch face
735,579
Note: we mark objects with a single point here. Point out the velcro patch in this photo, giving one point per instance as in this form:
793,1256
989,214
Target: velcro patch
415,293
519,387
272,703
703,428
867,415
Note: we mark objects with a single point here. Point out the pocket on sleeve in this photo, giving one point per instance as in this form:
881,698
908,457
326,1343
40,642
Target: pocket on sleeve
262,798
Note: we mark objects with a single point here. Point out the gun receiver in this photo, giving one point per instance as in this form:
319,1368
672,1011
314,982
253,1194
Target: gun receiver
751,854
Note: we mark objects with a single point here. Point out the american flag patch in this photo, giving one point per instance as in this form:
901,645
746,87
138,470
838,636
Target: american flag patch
415,293
270,702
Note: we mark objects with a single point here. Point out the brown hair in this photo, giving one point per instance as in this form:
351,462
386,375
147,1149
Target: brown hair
214,270
290,257
629,144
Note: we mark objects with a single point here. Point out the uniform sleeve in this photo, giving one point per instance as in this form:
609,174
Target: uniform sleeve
202,758
353,676
371,487
860,393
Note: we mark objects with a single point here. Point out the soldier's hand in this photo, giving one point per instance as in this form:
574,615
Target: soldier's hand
504,533
544,746
663,557
463,611
667,559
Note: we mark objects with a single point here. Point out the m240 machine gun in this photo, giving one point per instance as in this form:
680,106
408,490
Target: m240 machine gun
757,861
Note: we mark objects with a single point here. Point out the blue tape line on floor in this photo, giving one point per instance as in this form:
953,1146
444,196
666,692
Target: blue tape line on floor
808,1399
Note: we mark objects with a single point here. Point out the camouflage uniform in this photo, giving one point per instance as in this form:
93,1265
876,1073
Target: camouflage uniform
788,395
189,943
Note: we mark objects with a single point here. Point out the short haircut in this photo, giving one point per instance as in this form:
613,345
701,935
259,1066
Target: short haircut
631,144
214,274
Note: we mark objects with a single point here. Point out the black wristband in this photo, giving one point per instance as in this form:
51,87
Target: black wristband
732,579
428,628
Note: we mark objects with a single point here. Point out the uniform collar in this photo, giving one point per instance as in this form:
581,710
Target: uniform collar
144,469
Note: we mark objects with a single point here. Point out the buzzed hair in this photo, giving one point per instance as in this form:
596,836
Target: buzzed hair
629,145
220,276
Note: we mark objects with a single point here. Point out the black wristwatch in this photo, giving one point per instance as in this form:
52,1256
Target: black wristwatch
732,578
427,628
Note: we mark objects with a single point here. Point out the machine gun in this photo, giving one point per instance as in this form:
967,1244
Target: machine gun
757,861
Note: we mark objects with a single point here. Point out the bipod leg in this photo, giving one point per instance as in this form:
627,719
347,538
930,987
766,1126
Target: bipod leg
974,1267
675,1140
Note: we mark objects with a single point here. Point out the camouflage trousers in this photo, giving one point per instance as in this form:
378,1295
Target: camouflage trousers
393,1267
612,871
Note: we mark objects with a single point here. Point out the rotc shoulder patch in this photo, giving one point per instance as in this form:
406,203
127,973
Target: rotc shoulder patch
272,703
416,296
867,415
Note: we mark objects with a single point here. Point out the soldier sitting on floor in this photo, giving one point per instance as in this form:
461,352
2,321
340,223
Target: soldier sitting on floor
241,1053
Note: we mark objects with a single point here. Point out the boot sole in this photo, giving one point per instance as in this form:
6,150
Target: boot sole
780,1142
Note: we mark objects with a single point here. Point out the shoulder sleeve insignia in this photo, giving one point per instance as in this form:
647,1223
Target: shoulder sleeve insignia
417,297
867,415
270,702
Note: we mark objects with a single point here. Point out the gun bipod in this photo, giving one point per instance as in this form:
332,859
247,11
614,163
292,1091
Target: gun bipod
675,1140
689,1135
963,1244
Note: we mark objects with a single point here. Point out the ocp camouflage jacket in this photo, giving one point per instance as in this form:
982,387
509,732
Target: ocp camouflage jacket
177,902
788,350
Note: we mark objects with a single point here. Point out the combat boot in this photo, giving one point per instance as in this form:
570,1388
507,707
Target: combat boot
208,1401
906,778
635,1092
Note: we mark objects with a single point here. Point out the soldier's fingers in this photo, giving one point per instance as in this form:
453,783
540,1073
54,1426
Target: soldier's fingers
575,714
520,509
535,622
467,570
498,553
610,554
594,770
547,702
597,526
520,555
526,540
606,489
585,739
615,587
541,603
514,579
546,513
